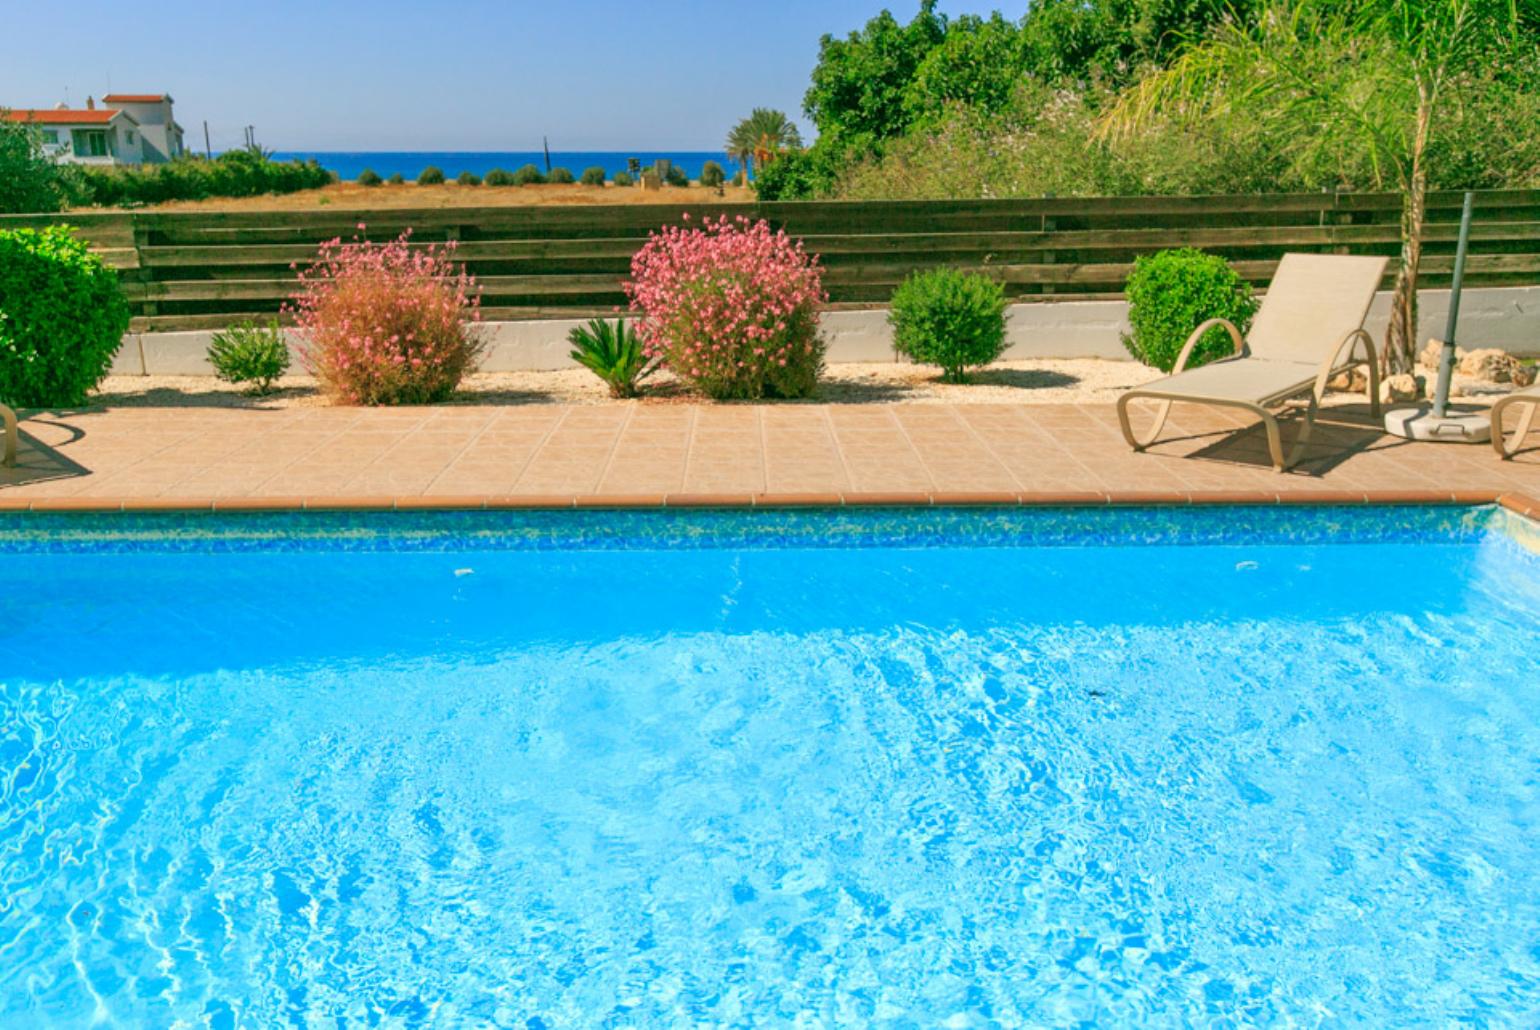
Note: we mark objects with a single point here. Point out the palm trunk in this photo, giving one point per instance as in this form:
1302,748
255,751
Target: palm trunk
1401,336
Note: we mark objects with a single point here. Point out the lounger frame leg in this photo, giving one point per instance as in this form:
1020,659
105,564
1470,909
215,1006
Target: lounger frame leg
10,432
1507,445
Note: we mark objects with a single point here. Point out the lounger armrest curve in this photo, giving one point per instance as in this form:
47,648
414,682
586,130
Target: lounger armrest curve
1331,364
1198,333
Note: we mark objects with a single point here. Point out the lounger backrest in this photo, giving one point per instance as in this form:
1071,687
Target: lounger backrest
1314,301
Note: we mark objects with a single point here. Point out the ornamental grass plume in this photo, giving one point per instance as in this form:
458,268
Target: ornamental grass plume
731,308
387,323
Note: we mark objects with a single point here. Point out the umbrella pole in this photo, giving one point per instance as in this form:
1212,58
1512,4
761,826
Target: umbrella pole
1446,359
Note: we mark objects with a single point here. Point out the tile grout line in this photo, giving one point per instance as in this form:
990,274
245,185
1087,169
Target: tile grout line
988,447
918,457
609,456
458,455
545,438
839,450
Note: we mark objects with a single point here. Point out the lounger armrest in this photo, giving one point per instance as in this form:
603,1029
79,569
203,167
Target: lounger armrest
1333,360
1197,334
8,434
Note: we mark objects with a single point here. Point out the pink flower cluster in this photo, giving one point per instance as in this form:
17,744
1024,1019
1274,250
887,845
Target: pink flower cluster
731,308
387,323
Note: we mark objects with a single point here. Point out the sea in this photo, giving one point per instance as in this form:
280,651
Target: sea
410,164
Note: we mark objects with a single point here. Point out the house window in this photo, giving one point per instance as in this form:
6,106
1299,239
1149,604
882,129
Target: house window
130,137
90,143
51,137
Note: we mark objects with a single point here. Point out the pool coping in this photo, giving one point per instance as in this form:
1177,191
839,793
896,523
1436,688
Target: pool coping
1519,503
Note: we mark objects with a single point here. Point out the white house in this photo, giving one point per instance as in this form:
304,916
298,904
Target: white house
130,128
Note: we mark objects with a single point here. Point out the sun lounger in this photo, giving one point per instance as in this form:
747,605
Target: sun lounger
1526,403
1309,329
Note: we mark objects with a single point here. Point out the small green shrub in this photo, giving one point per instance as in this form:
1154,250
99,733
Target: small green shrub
432,175
248,172
949,318
712,174
561,175
367,177
499,177
594,176
468,179
614,353
62,317
529,175
396,179
250,353
1174,291
624,179
675,176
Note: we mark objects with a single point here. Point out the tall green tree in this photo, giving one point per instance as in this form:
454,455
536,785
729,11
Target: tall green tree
762,137
1367,79
859,84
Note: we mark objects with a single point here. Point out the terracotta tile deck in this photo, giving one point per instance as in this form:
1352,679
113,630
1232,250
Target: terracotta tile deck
650,455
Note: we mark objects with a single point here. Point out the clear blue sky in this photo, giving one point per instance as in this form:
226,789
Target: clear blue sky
438,74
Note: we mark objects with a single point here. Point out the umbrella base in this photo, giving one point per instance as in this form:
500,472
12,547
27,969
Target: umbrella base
1457,425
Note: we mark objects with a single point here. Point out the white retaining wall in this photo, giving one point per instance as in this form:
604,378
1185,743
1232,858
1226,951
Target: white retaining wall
1507,318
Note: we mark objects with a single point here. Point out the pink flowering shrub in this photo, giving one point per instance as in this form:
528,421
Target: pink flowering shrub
731,308
384,323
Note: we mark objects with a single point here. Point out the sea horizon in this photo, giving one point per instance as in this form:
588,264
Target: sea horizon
348,165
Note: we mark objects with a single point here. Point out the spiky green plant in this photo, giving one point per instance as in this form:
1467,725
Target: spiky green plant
613,352
762,137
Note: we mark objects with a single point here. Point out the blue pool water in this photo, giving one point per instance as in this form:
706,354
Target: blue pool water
931,768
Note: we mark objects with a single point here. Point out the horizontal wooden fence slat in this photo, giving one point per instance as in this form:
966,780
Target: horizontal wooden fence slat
202,269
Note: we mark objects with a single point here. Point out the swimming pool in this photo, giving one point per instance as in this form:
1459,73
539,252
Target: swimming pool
923,767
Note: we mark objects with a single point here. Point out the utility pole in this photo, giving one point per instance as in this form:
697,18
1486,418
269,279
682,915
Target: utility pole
208,151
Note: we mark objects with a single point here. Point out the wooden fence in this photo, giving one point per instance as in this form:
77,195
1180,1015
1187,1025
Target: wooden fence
185,270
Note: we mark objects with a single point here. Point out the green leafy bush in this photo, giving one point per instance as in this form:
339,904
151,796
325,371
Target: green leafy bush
396,179
614,353
500,177
468,178
250,353
594,176
62,317
561,175
675,176
529,175
432,175
949,318
1171,293
368,177
236,173
712,174
794,175
624,179
29,181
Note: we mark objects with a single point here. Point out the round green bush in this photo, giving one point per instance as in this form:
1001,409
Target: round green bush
1171,293
529,175
594,176
712,174
500,177
949,318
432,175
468,179
561,175
624,179
62,318
368,177
396,179
675,176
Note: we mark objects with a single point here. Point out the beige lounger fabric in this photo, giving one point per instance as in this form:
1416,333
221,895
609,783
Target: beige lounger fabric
1526,403
1309,328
